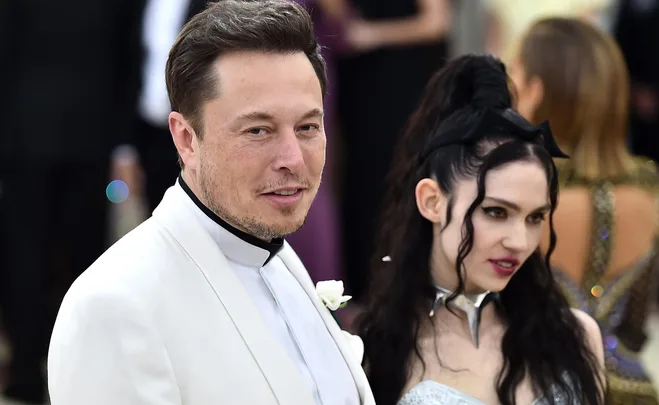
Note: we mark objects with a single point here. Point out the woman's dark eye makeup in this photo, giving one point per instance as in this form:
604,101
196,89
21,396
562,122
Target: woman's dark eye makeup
495,212
502,213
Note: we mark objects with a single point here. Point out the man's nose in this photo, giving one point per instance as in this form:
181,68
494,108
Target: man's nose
289,152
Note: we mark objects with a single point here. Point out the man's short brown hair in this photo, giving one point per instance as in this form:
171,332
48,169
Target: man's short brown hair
269,26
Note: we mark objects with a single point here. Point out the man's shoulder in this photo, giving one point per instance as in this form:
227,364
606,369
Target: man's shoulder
144,247
129,266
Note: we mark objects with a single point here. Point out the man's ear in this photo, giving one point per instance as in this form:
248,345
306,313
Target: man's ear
185,139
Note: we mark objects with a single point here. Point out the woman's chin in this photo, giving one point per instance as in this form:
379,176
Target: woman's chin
489,285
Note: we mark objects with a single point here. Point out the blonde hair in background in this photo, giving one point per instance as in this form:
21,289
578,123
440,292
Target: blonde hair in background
586,93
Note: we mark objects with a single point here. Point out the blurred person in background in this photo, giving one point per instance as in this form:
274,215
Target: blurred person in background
509,19
318,242
636,30
606,220
163,20
469,27
394,48
69,85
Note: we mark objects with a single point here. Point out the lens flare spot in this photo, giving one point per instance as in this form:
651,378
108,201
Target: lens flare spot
597,291
611,342
117,191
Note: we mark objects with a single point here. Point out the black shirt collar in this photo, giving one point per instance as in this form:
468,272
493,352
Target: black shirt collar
272,247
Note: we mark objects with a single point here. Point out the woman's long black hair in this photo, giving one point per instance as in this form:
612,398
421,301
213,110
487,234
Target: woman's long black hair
543,340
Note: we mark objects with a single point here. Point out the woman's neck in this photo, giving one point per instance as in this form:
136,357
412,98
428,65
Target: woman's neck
472,316
490,327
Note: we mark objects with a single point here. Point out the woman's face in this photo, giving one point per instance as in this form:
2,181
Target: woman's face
507,227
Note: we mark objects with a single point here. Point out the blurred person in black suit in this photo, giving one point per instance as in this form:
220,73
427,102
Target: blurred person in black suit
69,85
395,47
163,20
636,30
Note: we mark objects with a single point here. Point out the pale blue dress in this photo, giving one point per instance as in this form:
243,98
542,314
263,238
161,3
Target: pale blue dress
429,392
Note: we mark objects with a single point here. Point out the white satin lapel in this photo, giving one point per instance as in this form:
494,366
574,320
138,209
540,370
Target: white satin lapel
283,377
294,264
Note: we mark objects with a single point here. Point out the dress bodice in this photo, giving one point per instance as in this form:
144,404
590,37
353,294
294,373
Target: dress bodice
430,392
619,305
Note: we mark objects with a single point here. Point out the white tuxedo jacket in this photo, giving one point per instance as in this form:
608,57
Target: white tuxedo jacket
161,319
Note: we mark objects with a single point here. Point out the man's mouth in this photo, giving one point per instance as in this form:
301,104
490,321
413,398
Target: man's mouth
284,197
285,192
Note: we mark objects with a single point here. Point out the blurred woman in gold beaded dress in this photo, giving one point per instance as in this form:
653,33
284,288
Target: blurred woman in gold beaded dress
573,74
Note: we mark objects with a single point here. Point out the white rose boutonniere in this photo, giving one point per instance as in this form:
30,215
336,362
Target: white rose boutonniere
331,294
356,344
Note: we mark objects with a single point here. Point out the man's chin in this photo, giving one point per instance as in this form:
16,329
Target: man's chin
275,222
276,226
286,227
289,216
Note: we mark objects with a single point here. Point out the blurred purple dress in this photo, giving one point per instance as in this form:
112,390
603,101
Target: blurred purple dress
317,242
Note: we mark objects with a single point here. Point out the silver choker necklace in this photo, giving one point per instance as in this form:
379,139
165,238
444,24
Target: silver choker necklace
471,304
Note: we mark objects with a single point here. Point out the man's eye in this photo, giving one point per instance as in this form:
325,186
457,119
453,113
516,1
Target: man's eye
256,131
309,127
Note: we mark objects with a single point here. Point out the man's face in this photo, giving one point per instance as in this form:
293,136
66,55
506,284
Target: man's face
260,161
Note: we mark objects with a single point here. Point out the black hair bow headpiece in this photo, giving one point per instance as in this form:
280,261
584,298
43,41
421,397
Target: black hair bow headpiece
493,122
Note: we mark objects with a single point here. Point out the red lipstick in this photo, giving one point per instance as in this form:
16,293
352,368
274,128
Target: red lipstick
504,266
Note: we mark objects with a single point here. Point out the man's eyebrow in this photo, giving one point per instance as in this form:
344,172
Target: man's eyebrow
266,116
313,113
256,115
